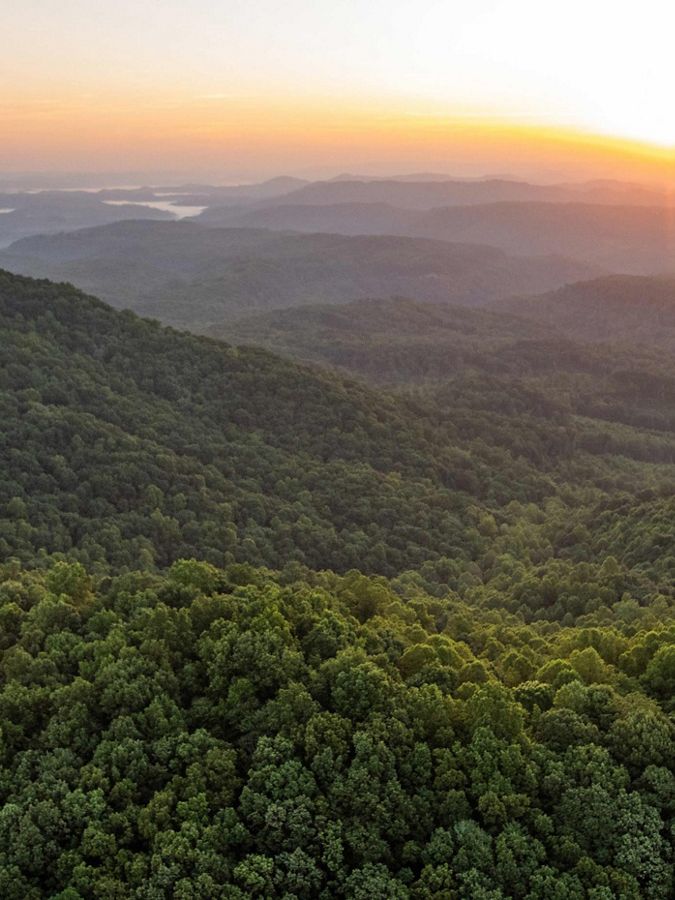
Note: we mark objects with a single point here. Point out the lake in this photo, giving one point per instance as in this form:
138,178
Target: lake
180,212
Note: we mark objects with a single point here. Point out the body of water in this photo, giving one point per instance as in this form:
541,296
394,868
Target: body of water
180,212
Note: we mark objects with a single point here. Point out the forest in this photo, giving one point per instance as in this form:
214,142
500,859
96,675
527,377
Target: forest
240,733
389,616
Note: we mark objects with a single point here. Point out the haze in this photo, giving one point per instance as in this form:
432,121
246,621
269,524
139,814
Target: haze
247,90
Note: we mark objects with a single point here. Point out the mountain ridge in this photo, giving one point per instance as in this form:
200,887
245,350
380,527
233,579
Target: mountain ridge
190,275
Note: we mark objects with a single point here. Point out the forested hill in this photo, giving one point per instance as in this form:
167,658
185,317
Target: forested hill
392,340
582,413
191,276
131,445
621,308
489,353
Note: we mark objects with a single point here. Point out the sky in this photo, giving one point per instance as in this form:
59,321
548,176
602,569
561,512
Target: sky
259,86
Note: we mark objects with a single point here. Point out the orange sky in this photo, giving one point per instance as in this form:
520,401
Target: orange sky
247,90
254,137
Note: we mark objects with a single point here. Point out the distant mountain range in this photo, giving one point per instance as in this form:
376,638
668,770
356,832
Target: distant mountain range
29,212
428,194
26,213
630,239
192,276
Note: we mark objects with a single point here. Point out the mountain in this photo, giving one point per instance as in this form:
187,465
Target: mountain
125,442
26,213
430,194
635,240
236,196
338,218
631,239
192,276
627,309
450,349
405,176
255,191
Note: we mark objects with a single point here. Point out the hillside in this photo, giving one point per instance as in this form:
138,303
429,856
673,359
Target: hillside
631,239
496,381
630,310
130,445
192,276
394,341
608,360
405,343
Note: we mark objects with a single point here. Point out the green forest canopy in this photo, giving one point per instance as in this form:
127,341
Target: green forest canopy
232,734
484,710
130,445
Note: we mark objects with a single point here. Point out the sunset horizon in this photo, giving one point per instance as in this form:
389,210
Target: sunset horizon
372,145
471,90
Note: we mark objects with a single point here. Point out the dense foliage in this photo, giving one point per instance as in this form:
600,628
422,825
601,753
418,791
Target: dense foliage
400,341
491,720
128,445
232,734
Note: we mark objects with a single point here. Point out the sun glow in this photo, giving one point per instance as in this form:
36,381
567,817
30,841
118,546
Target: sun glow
202,84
